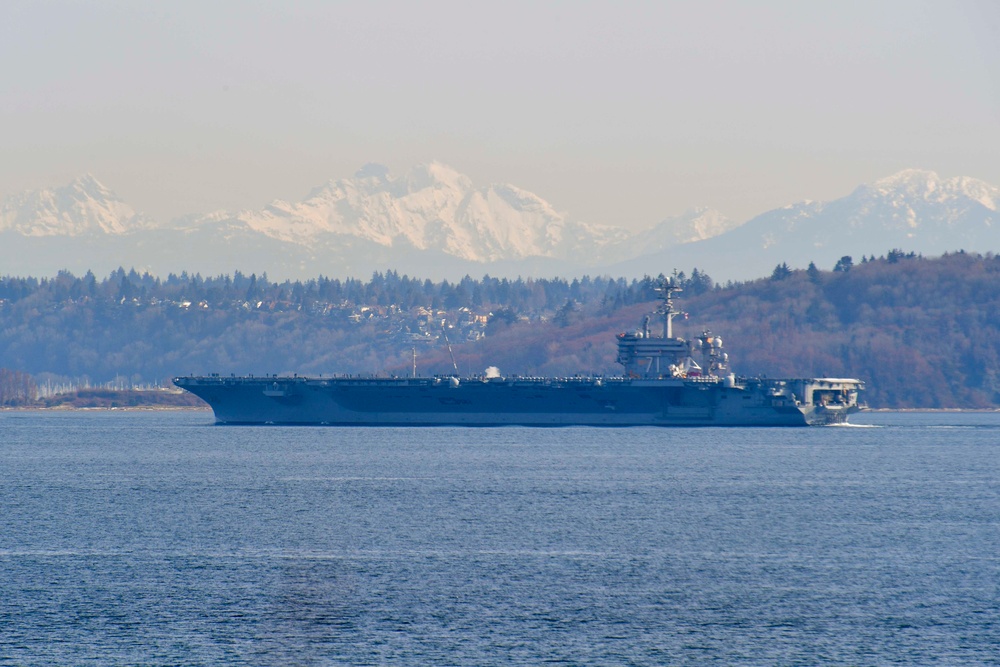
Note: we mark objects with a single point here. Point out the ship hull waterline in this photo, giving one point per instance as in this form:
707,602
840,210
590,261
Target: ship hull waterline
505,402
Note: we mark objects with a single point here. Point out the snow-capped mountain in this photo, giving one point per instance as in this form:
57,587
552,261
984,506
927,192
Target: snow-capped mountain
921,206
85,206
913,210
695,225
434,222
432,207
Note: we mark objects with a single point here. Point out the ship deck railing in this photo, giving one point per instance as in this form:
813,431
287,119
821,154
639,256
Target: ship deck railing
361,379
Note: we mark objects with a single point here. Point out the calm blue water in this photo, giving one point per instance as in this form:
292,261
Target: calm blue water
157,538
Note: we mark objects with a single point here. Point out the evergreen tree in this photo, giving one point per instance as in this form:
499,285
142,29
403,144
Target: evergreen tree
781,272
813,273
844,264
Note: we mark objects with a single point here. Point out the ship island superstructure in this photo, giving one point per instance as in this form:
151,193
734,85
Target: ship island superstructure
663,384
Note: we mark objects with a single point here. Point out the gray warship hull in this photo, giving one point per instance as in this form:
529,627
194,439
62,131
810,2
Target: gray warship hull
344,401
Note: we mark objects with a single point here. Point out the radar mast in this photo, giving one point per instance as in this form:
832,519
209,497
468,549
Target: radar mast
666,288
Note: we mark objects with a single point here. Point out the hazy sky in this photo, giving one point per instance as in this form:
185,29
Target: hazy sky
615,112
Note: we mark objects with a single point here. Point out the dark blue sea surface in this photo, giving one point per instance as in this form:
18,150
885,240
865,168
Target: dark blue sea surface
157,538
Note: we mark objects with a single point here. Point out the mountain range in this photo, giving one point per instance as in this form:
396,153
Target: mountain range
434,222
913,210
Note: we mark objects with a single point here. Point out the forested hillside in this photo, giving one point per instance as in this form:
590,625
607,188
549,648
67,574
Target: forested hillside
922,332
142,329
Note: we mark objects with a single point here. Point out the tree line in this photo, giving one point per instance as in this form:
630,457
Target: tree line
382,289
143,328
922,332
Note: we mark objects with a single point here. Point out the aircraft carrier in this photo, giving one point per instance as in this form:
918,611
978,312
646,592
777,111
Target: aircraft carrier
667,381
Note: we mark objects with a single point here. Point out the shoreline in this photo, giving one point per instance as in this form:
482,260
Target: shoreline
970,410
206,408
116,408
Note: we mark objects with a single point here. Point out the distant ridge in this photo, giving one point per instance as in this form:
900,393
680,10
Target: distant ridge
85,206
913,210
434,221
